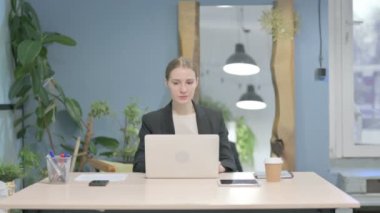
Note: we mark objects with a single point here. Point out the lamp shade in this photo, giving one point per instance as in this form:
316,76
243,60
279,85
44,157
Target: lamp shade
250,100
240,63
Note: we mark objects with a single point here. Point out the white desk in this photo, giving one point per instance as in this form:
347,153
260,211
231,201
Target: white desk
305,191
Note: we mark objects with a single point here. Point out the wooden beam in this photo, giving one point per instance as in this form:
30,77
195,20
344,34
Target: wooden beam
283,80
188,27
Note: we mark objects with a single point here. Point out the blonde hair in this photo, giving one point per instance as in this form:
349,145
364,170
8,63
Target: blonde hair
179,62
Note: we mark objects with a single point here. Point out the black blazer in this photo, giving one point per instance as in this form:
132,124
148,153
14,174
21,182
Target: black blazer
161,122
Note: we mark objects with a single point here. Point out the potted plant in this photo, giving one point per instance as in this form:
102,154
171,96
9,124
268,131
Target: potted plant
132,115
34,82
30,163
94,146
8,174
115,152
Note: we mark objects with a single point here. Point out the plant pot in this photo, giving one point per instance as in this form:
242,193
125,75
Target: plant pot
3,190
11,185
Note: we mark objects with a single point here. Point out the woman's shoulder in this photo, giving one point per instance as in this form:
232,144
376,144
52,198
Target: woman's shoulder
155,115
208,111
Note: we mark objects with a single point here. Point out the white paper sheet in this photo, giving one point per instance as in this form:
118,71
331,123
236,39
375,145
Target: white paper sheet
100,176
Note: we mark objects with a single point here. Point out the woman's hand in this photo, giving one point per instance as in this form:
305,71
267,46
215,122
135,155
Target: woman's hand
221,168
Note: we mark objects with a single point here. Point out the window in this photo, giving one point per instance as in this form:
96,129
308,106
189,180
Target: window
354,51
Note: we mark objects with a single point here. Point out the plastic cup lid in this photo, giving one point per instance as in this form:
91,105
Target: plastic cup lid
274,160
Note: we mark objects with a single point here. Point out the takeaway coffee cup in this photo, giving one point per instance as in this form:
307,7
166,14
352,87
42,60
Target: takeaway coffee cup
273,167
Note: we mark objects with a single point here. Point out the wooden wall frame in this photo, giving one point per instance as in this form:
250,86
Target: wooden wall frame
282,68
188,34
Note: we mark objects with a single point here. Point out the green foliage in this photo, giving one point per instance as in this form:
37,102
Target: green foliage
100,145
99,109
29,158
212,104
275,24
30,162
132,114
10,172
34,77
104,146
245,137
245,141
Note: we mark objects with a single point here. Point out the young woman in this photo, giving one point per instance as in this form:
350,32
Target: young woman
183,116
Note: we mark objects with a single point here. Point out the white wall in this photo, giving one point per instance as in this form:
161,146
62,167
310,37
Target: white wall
8,143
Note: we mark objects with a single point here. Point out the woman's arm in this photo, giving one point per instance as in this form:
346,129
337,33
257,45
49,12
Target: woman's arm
139,160
226,156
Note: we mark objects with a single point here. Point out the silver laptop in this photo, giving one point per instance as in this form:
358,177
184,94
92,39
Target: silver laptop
181,156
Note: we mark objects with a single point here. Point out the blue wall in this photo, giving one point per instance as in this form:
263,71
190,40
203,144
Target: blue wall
312,106
123,47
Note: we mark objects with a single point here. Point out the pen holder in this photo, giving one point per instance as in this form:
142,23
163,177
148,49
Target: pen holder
58,168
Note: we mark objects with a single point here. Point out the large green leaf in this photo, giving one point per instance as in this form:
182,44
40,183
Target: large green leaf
28,10
19,120
43,96
28,51
92,149
58,88
74,109
107,154
18,86
14,25
40,133
30,31
50,107
67,148
107,142
39,111
14,5
21,133
44,119
20,71
24,91
21,101
58,38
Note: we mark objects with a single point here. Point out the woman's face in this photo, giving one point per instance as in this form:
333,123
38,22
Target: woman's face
182,83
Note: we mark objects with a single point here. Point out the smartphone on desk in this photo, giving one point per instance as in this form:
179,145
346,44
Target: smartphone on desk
238,182
98,182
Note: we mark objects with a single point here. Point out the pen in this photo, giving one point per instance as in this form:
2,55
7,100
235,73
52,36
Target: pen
54,165
62,159
52,155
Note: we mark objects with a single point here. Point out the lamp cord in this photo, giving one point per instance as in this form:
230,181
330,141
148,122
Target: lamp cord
320,34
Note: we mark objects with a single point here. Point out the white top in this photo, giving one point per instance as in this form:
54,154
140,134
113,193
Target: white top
185,124
306,190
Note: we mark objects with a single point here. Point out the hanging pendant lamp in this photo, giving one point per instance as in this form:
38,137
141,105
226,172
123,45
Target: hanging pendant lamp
240,63
250,100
